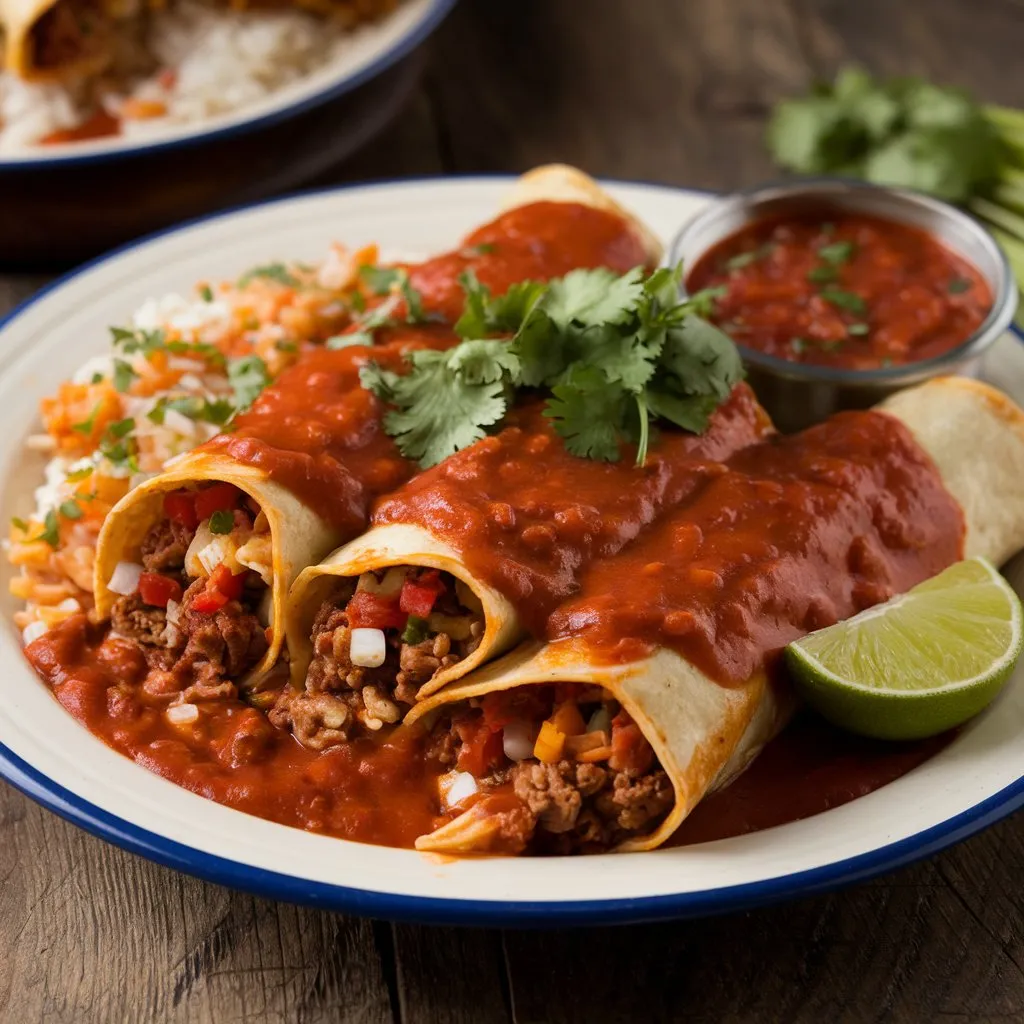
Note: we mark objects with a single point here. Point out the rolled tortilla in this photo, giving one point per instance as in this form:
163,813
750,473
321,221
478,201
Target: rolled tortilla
297,533
736,424
409,544
704,733
300,536
24,20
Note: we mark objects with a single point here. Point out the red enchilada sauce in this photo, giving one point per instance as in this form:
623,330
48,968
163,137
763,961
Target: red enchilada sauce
850,489
318,433
813,527
842,290
384,792
788,536
528,517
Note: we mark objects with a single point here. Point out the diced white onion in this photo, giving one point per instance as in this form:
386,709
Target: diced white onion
208,550
182,714
179,423
456,787
173,612
186,365
124,579
33,631
517,740
367,647
69,604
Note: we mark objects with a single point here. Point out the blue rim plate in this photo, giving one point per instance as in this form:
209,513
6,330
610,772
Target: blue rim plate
974,782
378,47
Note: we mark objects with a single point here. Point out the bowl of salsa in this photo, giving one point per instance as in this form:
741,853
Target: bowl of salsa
839,292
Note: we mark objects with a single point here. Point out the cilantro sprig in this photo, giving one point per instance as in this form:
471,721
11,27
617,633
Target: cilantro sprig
612,352
915,134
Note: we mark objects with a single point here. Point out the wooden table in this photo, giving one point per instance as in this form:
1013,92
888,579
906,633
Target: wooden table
666,90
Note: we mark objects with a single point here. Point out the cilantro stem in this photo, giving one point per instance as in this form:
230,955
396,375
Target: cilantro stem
645,429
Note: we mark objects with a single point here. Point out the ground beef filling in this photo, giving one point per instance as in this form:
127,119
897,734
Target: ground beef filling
597,783
195,645
342,696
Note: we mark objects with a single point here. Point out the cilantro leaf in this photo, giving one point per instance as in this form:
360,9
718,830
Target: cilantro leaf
272,272
121,428
391,281
587,411
444,402
484,362
484,315
541,350
248,376
70,509
51,529
701,359
380,280
844,300
339,341
611,351
123,375
622,359
593,297
87,426
836,252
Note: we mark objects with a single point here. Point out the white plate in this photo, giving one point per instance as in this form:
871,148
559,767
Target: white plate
371,49
44,752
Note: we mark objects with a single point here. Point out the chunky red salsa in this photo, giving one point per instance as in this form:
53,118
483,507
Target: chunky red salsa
842,290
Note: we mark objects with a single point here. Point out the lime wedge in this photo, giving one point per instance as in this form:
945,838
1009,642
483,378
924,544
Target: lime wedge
919,664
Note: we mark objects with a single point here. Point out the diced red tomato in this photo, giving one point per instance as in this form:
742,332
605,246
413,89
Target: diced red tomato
481,748
157,590
181,507
216,498
418,596
222,586
631,753
373,611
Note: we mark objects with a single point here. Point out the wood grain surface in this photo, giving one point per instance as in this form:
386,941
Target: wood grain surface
664,90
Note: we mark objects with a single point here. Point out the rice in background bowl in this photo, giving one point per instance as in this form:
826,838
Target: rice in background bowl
188,63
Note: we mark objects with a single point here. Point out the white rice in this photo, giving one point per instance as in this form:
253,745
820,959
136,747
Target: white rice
222,61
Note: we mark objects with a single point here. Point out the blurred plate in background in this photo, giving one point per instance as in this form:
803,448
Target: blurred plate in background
63,203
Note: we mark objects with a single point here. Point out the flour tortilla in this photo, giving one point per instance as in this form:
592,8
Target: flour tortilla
706,734
407,544
298,535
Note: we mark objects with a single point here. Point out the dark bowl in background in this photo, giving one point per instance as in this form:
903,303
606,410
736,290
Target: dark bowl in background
797,395
66,207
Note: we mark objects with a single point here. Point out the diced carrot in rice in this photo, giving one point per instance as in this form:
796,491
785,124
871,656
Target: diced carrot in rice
30,553
142,110
79,415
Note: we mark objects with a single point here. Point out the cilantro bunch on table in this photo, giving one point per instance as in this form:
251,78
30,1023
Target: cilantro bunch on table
612,353
910,133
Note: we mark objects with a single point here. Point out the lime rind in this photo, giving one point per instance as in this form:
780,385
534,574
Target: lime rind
920,664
